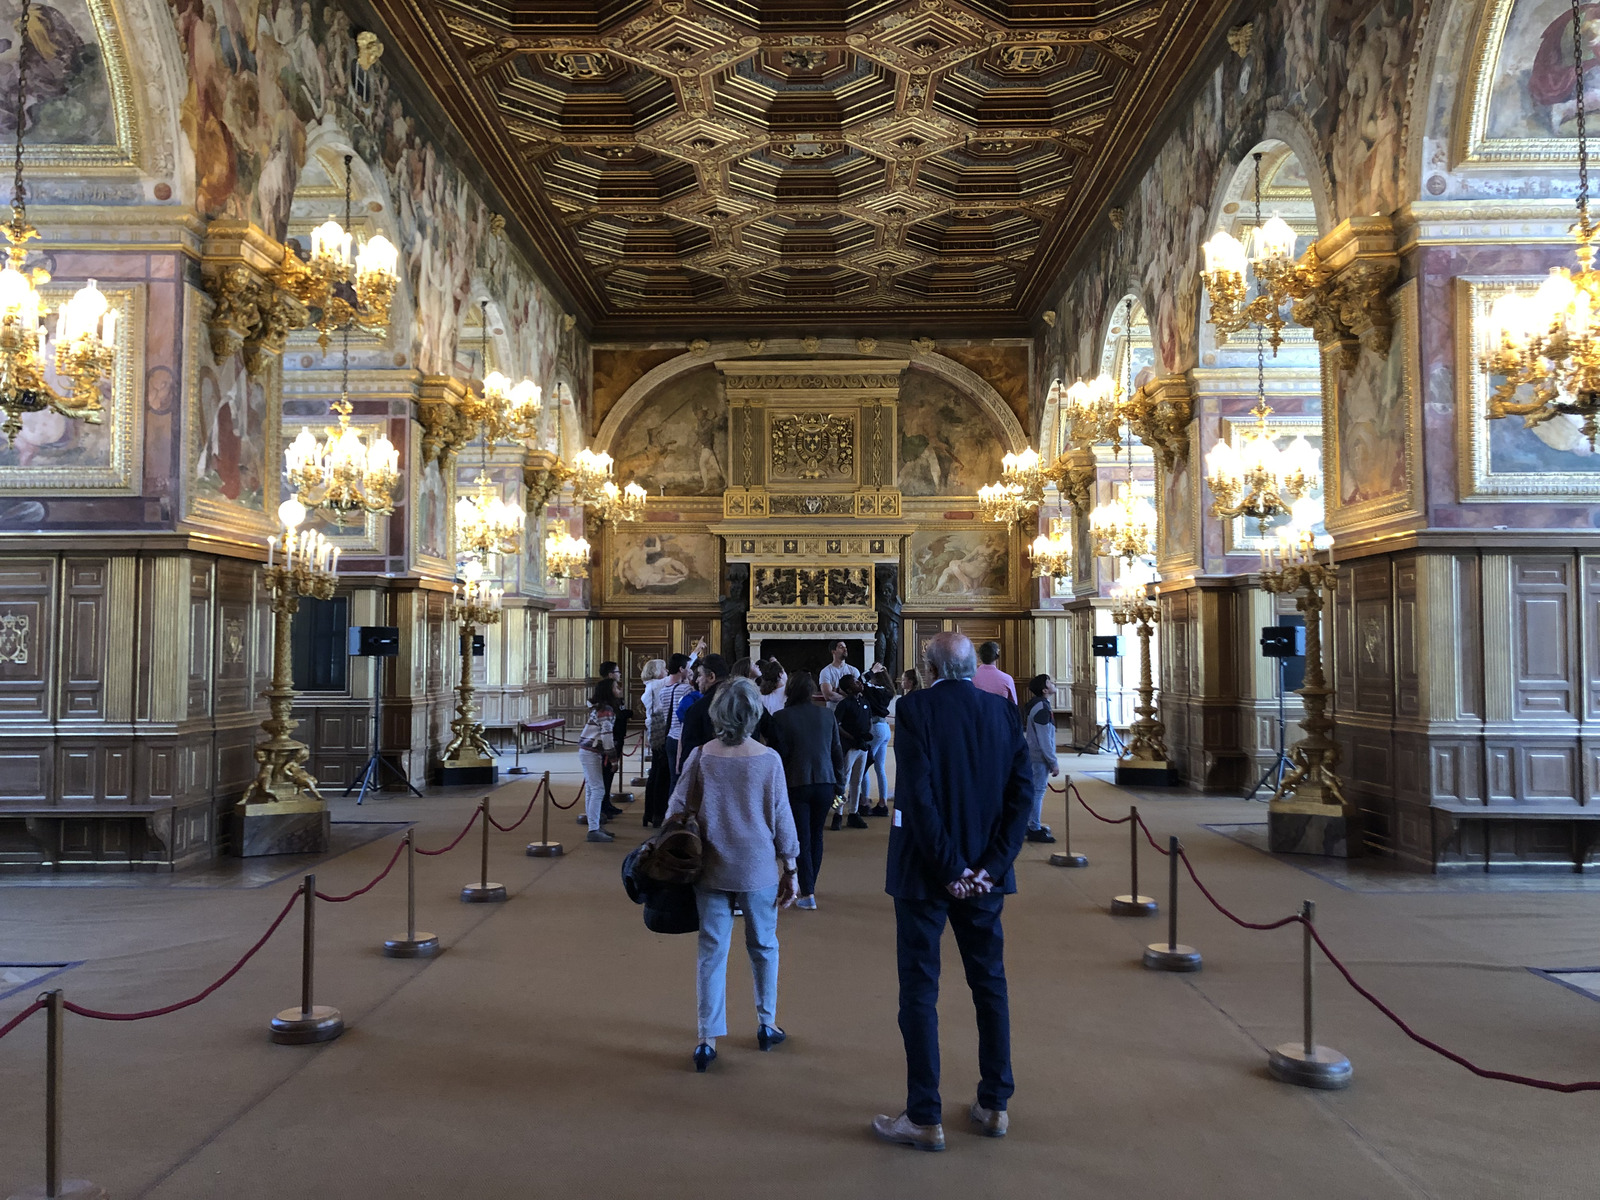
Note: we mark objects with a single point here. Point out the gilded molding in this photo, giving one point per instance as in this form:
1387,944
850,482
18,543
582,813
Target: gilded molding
1074,474
542,478
250,313
1160,413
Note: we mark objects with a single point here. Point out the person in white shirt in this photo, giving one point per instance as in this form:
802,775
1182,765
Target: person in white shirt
831,674
773,680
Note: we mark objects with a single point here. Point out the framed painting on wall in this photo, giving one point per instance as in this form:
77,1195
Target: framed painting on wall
656,566
1505,459
56,455
233,436
958,567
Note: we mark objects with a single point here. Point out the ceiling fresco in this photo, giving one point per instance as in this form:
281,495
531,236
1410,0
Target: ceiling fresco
721,163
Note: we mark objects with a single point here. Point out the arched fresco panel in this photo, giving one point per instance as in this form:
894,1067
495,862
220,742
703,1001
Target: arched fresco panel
677,443
948,447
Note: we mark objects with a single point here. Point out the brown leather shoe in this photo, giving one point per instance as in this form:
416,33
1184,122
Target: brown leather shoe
993,1122
906,1132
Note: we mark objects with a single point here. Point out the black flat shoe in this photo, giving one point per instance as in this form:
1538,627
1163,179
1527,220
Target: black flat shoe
768,1036
856,821
610,810
879,810
704,1056
837,820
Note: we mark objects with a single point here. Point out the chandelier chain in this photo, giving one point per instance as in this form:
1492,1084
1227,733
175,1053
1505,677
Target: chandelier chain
1261,329
1584,228
19,194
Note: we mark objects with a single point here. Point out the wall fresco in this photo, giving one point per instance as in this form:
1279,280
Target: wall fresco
948,447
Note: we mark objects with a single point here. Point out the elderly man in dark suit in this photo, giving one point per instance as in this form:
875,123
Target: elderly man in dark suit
963,792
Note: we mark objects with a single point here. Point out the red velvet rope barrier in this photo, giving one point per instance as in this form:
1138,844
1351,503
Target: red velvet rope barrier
362,891
1092,813
476,813
557,804
21,1017
1151,838
98,1015
525,812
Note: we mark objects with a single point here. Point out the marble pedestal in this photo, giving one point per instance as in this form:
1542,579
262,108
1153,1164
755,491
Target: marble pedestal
1140,772
1330,835
475,771
262,829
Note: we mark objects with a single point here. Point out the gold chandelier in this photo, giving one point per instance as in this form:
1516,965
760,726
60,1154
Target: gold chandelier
86,329
565,557
485,523
1548,341
1279,278
502,411
342,290
1052,552
343,475
620,504
1126,526
589,474
1096,409
1000,502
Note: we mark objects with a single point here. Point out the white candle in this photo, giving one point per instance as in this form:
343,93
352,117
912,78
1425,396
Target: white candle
272,549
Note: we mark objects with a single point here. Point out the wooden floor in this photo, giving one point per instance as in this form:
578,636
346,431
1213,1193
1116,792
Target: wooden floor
545,1053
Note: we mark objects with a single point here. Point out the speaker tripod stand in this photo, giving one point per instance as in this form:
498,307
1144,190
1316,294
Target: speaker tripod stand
1281,766
1106,738
372,773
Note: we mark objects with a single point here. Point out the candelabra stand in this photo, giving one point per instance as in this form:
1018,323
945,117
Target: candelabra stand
1144,758
1308,813
468,758
283,812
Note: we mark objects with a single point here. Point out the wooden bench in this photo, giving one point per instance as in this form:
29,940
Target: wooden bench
549,727
1583,832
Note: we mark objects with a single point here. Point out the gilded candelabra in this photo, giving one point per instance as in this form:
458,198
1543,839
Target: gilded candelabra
307,566
1312,784
473,603
1133,604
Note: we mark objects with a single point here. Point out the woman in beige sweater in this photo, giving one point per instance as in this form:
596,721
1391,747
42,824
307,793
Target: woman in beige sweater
750,851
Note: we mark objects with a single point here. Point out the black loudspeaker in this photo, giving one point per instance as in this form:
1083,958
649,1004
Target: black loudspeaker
1283,641
477,645
1108,646
375,641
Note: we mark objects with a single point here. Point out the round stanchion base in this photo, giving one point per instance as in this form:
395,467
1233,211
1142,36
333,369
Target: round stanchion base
1134,906
296,1027
545,850
1062,859
69,1189
639,782
424,945
1163,957
519,770
1323,1068
483,893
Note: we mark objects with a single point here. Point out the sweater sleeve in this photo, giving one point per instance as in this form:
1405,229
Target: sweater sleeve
785,841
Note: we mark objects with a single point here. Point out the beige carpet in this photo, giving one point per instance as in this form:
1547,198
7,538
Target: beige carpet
546,1051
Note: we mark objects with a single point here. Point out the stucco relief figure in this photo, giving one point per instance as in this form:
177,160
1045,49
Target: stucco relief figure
1372,428
965,563
233,443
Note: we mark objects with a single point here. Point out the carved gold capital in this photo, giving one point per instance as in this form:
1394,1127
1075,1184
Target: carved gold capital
444,429
1160,413
250,312
1353,268
1074,473
543,473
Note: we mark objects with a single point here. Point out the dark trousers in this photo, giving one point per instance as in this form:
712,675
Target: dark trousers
657,789
810,804
615,760
919,925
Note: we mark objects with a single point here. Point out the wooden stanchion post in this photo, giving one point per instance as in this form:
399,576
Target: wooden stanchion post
310,1022
414,944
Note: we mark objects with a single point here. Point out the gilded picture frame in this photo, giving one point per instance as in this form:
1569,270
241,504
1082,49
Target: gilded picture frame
1406,501
648,566
1483,446
122,424
922,561
1472,142
127,148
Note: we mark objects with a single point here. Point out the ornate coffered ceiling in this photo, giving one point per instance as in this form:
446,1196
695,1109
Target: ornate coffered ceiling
703,164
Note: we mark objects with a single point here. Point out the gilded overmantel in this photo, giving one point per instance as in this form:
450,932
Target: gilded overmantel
812,438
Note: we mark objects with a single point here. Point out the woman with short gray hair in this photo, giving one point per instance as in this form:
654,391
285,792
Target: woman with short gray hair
750,847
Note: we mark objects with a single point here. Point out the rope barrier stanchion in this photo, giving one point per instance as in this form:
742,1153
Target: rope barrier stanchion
1064,857
1304,1063
310,1022
414,944
53,1002
1133,904
544,847
1170,955
484,892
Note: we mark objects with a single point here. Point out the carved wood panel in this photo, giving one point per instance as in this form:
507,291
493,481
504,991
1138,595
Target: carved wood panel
27,647
1543,637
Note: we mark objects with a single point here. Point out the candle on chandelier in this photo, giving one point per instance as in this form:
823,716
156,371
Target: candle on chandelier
272,549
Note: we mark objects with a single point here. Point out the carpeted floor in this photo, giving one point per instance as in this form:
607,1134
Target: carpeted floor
545,1053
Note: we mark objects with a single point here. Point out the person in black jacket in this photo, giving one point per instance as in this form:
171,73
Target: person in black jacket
806,736
963,794
712,672
855,731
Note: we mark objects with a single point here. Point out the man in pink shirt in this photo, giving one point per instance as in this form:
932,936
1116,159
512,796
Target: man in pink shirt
990,678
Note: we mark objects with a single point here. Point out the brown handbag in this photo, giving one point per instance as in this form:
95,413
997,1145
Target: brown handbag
677,853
